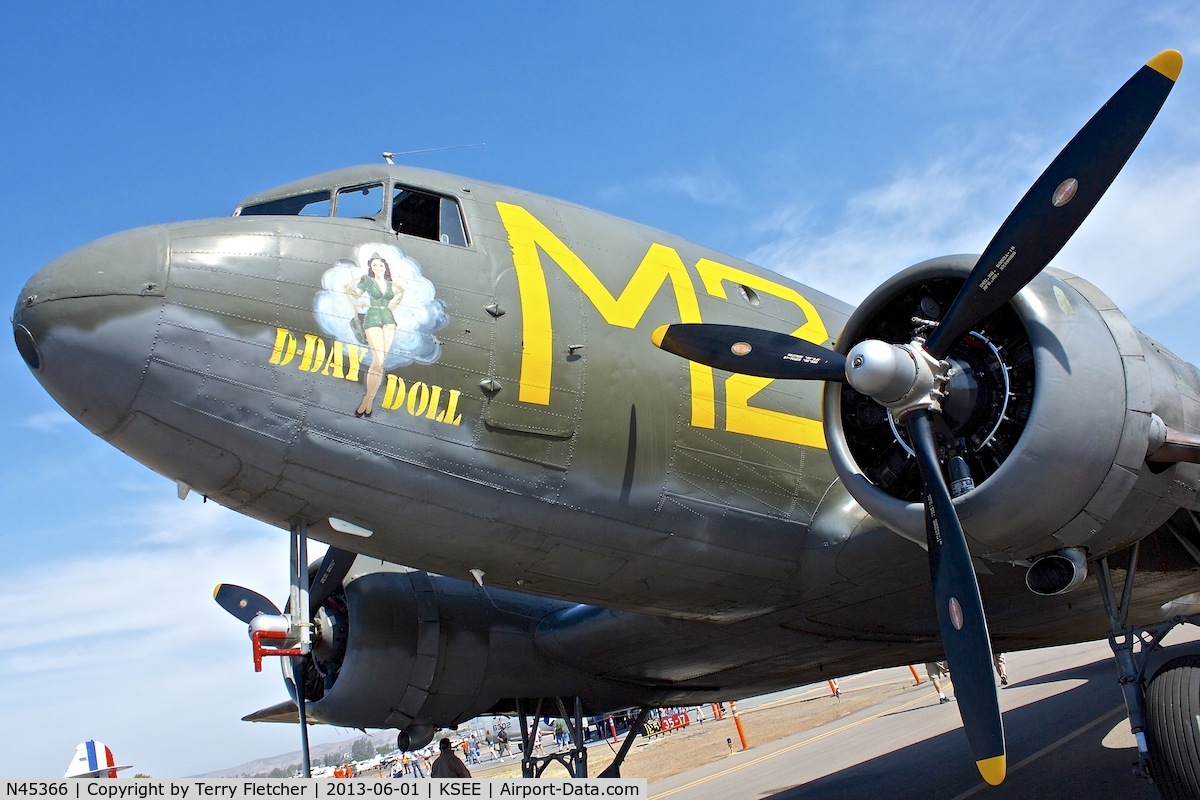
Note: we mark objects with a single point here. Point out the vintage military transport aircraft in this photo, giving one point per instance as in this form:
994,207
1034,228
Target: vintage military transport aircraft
460,378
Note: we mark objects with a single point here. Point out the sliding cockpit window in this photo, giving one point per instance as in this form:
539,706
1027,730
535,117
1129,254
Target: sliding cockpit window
313,204
429,216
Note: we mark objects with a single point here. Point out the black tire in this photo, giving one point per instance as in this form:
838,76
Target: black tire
1173,728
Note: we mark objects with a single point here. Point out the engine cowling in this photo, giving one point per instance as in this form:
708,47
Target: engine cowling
1050,404
397,648
401,648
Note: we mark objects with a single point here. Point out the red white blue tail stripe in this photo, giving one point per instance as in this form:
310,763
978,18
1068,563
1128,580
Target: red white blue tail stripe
93,760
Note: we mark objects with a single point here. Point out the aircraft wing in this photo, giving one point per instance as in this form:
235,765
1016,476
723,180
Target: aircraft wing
280,712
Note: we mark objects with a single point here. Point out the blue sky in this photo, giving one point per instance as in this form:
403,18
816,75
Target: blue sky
835,142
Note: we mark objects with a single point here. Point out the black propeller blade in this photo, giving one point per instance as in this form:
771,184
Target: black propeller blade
1058,202
243,603
333,569
961,619
911,382
751,351
246,604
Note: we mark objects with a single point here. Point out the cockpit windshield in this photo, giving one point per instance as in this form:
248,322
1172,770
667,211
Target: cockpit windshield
410,212
363,202
314,204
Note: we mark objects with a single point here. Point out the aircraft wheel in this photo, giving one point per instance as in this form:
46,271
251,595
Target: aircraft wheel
1172,711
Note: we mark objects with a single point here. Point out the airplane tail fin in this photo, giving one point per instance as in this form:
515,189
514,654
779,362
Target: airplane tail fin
93,760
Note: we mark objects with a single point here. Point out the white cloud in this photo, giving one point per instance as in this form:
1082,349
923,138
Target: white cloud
709,186
139,596
948,206
129,647
706,184
1182,19
48,421
1138,246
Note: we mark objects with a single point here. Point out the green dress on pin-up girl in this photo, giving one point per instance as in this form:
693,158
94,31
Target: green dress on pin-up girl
378,314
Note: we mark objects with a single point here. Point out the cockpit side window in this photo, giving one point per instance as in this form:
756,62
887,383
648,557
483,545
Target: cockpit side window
362,202
429,216
314,204
452,231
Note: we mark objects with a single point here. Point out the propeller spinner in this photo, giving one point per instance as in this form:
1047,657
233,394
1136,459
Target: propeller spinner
912,379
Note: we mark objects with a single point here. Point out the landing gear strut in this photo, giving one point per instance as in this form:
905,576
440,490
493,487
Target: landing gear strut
638,726
575,759
298,594
1162,713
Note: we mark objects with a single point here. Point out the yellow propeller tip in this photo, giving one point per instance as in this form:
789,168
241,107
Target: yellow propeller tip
1168,62
216,589
658,335
993,770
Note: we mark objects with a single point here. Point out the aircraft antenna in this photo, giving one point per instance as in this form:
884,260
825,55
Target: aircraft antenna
388,156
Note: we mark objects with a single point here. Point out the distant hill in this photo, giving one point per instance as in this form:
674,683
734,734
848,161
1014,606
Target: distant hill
283,761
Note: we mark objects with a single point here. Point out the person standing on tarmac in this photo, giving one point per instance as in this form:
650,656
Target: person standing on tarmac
937,672
998,660
448,765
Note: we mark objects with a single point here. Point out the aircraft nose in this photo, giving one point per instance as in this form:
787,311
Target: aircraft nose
85,323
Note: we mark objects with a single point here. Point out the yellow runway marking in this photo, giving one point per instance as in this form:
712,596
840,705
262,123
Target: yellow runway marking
796,746
1048,748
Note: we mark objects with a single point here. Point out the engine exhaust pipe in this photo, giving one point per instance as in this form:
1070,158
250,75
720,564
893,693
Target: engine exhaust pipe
1058,573
414,737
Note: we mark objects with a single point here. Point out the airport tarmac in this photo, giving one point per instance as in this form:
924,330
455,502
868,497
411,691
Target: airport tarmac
1065,724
